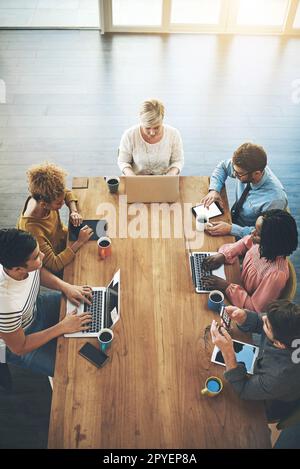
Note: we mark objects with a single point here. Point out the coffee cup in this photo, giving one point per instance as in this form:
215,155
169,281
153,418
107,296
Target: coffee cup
201,222
215,300
104,247
213,386
105,338
113,184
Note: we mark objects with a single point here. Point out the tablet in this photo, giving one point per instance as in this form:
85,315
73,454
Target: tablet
214,210
245,353
99,228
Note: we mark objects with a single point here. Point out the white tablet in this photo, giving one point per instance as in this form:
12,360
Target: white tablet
245,353
214,210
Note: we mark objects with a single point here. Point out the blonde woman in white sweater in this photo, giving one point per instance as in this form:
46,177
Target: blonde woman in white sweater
151,147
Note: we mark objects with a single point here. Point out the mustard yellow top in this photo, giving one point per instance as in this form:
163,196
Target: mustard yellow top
51,235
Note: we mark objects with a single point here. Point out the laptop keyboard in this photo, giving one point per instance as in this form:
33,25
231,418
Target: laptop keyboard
200,272
96,310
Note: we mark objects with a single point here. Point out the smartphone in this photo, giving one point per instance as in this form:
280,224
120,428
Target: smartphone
224,316
93,355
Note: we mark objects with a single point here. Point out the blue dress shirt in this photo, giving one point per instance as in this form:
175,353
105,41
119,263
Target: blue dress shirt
267,194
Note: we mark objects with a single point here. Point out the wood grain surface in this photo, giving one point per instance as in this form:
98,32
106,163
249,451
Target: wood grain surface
148,395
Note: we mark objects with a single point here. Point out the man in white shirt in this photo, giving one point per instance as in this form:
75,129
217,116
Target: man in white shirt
29,322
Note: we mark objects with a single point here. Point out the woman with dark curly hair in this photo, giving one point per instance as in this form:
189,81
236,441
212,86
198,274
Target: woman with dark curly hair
40,215
265,268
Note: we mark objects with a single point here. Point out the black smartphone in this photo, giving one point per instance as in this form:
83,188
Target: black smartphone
224,316
93,354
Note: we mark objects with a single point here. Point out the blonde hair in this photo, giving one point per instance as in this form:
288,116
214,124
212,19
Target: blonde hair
46,181
152,113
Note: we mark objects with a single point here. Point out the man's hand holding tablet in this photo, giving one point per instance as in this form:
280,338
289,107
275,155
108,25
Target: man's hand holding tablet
212,196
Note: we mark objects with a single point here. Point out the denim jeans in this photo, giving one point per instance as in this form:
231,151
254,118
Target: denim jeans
41,360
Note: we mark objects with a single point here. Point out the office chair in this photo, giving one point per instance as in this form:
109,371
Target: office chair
289,291
291,419
5,377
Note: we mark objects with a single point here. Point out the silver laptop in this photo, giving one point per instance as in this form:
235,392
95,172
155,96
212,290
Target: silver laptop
105,308
196,259
148,189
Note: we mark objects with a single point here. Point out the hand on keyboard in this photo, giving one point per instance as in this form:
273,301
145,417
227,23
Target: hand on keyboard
74,322
213,281
96,310
78,294
213,262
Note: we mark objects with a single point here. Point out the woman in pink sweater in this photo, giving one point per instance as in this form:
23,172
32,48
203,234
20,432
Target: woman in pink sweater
265,267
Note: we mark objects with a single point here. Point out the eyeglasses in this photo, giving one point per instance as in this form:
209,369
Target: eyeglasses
239,175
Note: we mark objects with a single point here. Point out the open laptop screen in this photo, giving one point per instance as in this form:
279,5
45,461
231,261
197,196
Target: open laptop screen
112,300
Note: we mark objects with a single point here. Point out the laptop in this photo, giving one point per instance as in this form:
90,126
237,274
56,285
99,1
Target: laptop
148,189
196,259
105,308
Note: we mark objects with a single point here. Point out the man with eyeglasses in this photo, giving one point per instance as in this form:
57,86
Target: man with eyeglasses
257,190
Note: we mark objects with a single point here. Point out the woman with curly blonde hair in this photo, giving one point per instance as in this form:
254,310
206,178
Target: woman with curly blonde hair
40,216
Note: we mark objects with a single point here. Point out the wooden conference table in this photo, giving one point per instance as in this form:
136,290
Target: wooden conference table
148,395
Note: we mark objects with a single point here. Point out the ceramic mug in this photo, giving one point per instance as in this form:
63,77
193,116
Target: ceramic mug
104,247
213,387
215,300
105,338
113,184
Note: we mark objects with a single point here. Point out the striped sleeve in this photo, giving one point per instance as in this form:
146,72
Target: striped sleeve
11,321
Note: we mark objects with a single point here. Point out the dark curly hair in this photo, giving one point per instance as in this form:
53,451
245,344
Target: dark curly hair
279,235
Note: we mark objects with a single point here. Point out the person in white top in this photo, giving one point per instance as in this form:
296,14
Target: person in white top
28,321
151,147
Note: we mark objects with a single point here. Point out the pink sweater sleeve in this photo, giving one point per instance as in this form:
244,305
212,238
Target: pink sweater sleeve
268,290
233,250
